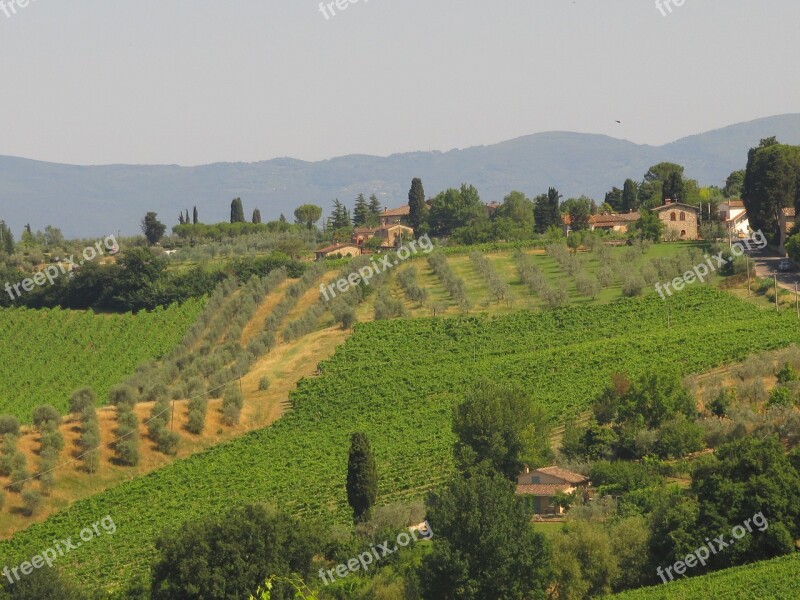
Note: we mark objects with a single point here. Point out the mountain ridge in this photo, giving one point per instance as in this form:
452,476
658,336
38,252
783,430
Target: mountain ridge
94,200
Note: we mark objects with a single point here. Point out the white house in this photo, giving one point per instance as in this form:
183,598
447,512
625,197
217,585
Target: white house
733,217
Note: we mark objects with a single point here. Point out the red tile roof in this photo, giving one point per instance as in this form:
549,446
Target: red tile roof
334,247
568,476
543,489
614,218
403,211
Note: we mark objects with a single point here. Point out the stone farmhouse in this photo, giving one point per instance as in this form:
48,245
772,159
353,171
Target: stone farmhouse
539,487
681,220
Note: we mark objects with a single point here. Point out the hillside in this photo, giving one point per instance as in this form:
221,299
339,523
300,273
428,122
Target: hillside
573,162
767,580
379,381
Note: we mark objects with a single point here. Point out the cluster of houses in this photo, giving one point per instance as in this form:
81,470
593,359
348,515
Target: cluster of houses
681,223
392,230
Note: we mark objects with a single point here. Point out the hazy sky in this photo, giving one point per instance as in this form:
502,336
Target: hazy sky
198,81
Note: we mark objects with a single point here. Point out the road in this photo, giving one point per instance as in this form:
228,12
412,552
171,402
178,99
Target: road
766,263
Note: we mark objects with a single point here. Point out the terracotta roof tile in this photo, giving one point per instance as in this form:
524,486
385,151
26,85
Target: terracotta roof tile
543,489
569,476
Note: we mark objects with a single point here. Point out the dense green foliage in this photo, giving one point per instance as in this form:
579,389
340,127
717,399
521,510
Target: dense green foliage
92,350
498,426
380,382
229,555
484,545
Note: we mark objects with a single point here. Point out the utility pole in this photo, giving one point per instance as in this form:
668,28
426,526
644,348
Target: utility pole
747,262
775,276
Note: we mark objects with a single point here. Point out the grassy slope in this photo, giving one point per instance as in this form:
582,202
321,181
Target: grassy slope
766,580
395,380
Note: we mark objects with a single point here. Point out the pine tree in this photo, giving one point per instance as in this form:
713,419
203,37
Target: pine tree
237,211
375,205
362,477
361,211
418,210
340,217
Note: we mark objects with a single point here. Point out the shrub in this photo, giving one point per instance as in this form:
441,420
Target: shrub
197,415
32,501
168,442
263,384
679,437
19,477
9,424
127,451
780,396
122,396
786,374
45,413
231,414
81,399
633,286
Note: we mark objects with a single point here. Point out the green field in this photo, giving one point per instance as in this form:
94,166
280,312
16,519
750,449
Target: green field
766,580
397,381
47,354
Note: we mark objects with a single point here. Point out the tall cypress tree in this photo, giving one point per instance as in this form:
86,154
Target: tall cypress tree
256,216
360,211
362,477
418,211
194,216
237,211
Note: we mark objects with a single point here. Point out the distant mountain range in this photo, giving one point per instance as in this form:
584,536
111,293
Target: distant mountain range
96,200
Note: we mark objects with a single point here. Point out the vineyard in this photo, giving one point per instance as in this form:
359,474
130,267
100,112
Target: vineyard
397,381
776,578
47,354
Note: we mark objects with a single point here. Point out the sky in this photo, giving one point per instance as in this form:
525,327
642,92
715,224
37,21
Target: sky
198,81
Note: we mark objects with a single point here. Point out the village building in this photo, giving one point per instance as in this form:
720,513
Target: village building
733,216
681,220
395,216
540,487
337,250
391,236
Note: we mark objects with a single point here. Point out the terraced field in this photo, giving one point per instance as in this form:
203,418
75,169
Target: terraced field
395,380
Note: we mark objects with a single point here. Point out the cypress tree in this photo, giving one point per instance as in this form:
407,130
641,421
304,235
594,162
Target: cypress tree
362,477
418,211
237,211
